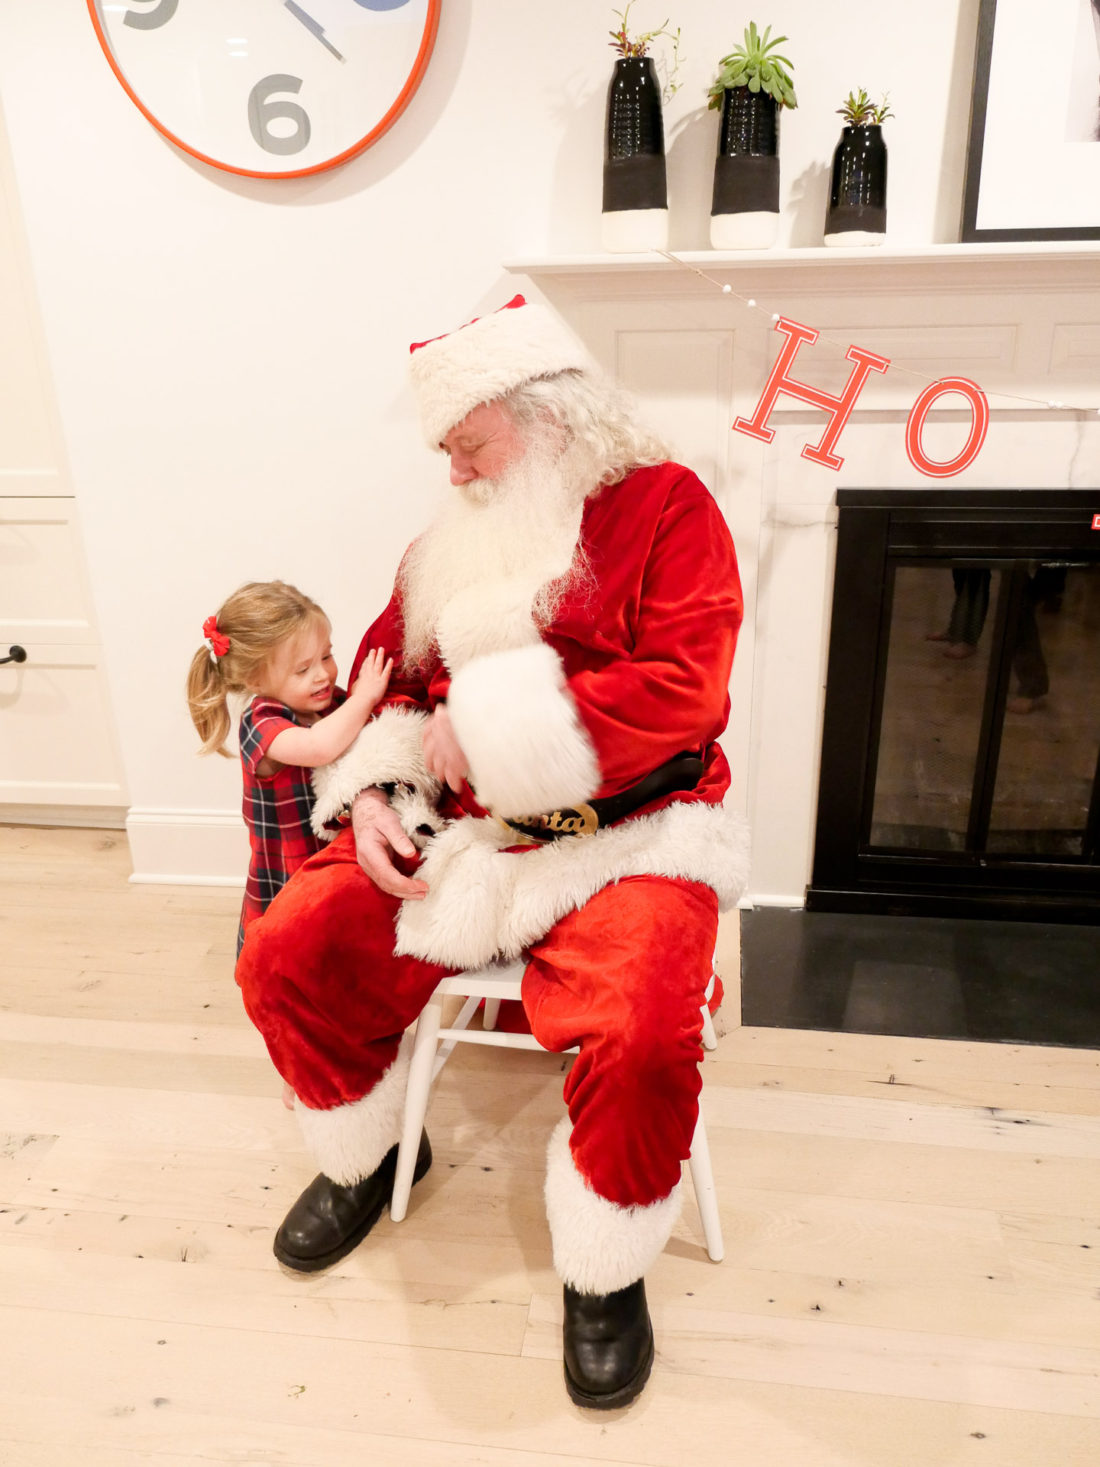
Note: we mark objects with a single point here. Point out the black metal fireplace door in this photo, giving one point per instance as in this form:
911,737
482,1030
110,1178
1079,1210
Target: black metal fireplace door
960,765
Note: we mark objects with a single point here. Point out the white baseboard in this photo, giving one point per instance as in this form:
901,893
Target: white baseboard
148,879
188,847
793,900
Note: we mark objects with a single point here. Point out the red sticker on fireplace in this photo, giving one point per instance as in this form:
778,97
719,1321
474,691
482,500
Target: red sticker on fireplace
1096,522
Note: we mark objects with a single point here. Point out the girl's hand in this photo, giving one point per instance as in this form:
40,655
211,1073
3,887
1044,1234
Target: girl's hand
374,676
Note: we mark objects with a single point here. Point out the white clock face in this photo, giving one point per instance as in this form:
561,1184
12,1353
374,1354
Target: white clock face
271,88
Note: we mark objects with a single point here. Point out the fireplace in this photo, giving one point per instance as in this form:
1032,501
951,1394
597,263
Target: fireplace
960,769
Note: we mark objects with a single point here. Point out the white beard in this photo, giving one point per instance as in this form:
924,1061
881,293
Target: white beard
492,567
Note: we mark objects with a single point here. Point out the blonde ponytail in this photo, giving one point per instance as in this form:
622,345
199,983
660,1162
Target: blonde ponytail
207,702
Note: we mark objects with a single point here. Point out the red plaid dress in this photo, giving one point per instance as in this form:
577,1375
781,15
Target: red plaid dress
276,807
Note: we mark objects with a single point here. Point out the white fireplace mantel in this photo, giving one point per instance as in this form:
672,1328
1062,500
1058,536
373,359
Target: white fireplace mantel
1068,264
1022,321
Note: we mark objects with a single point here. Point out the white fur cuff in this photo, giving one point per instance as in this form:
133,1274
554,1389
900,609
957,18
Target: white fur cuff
386,751
518,726
349,1141
598,1246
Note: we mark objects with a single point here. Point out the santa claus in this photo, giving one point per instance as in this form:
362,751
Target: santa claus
543,779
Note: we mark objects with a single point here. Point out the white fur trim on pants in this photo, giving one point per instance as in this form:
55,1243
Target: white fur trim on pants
599,1246
386,751
518,726
484,904
349,1141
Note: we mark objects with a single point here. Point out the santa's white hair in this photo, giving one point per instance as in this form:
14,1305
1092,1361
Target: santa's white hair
596,414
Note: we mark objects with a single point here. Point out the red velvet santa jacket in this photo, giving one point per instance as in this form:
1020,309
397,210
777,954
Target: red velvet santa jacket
633,670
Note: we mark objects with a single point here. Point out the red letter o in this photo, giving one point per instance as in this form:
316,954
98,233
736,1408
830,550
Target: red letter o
978,428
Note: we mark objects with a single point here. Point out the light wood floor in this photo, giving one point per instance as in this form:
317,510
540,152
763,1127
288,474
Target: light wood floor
912,1230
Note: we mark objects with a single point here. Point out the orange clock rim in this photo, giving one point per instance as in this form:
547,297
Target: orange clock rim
404,97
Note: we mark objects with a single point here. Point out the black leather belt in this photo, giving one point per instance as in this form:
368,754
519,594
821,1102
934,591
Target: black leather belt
681,772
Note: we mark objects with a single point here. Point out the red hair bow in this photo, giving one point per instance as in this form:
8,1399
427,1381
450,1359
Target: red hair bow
217,641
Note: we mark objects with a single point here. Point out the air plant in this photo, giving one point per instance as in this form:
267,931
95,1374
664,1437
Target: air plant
639,44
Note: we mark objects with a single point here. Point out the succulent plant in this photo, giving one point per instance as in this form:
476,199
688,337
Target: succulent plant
757,65
859,111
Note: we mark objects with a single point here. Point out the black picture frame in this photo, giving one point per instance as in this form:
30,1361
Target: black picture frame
996,127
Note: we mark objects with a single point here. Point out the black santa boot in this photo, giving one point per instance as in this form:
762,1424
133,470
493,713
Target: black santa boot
608,1343
329,1219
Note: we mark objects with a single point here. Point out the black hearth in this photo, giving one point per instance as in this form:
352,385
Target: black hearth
960,771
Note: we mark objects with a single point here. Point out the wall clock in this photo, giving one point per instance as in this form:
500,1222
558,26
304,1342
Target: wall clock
269,88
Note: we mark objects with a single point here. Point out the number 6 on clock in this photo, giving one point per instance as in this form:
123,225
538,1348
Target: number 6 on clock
268,88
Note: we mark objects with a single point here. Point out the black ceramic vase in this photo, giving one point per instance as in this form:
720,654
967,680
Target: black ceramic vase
744,212
635,191
857,198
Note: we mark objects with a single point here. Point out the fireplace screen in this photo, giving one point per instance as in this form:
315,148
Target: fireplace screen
962,722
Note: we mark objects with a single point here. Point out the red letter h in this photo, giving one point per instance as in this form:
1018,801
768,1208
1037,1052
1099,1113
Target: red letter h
838,408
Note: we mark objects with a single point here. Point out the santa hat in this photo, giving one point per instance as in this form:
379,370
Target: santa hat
487,358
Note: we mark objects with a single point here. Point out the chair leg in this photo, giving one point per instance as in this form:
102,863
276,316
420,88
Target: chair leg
489,1013
462,1020
710,1038
705,1194
416,1103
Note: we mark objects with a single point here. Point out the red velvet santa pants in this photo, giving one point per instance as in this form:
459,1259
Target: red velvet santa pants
623,977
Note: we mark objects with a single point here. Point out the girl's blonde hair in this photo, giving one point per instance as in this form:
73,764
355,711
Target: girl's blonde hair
257,619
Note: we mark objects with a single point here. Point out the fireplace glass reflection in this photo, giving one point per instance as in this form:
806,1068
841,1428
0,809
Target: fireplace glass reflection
989,729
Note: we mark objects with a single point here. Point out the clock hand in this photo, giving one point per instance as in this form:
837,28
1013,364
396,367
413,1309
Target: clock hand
314,27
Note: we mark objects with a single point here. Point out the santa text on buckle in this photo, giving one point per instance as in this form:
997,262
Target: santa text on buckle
535,829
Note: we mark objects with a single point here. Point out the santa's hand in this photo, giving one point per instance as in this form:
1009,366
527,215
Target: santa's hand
378,836
442,752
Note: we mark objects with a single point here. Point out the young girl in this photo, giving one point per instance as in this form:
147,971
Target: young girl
274,644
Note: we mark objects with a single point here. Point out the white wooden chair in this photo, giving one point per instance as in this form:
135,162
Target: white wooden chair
433,1045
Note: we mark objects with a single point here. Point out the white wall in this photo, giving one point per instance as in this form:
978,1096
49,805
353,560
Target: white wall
229,353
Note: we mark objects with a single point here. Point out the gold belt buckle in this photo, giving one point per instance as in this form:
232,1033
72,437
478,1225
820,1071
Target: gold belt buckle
573,820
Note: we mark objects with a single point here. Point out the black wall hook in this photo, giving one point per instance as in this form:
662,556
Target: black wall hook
15,654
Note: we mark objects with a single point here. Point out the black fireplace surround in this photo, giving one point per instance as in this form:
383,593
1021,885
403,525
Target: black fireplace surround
960,765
